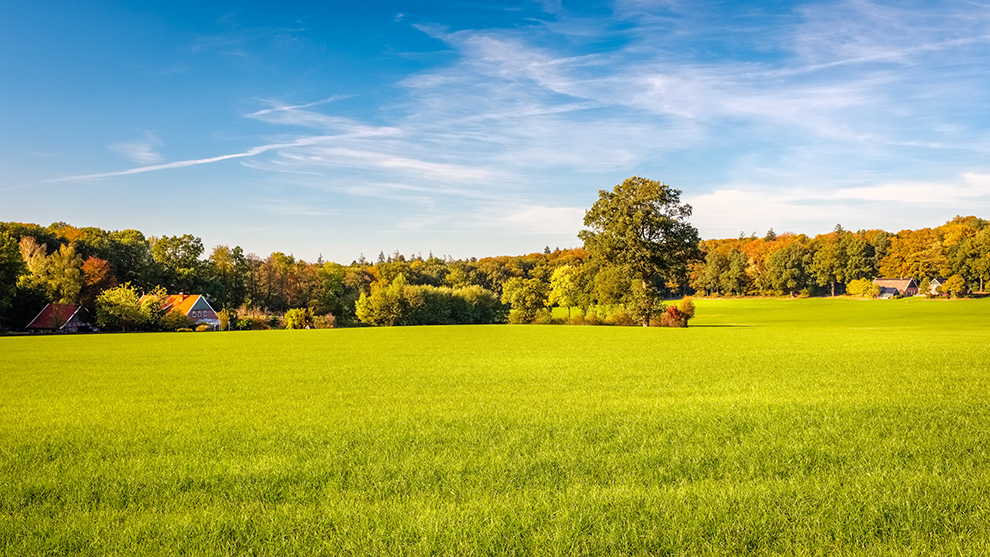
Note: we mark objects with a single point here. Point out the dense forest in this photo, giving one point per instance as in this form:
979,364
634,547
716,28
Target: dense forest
638,251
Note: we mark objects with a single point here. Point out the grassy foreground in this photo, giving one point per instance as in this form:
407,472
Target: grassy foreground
790,427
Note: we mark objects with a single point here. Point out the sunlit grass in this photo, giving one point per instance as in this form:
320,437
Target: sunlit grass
814,427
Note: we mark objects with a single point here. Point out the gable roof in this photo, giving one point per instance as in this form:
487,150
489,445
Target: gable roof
898,283
55,316
183,303
187,302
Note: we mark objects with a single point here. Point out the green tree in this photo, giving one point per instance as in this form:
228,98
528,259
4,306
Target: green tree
862,287
526,296
787,268
179,258
129,255
733,279
642,225
830,260
955,285
153,308
708,281
383,307
118,308
11,268
229,269
298,318
565,290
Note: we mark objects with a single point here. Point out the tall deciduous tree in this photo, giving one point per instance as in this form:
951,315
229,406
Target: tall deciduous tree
11,267
58,274
229,270
179,256
97,277
787,268
565,290
642,225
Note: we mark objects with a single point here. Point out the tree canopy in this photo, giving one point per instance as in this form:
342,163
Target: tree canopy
642,225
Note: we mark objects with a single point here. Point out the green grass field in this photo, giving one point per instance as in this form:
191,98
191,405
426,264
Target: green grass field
771,427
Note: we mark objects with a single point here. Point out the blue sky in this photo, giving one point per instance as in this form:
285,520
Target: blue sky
476,129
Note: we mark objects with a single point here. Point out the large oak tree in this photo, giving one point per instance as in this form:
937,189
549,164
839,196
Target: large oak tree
641,226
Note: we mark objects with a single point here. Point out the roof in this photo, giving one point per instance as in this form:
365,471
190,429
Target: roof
53,316
188,302
184,303
901,284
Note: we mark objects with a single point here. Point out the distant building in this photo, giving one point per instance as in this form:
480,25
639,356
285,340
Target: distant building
934,285
62,318
892,287
194,306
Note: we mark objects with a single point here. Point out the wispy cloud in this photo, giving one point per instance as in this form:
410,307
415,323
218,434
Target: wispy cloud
142,150
822,113
191,162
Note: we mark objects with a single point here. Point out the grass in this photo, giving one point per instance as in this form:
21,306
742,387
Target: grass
776,427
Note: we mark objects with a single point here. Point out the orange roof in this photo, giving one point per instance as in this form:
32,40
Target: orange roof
182,302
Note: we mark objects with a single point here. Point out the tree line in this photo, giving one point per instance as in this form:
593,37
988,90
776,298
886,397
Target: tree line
838,262
638,250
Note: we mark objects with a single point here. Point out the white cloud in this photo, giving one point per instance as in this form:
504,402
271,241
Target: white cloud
972,187
534,219
140,150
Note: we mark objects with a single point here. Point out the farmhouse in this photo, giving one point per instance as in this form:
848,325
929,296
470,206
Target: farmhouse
935,284
891,287
62,318
193,306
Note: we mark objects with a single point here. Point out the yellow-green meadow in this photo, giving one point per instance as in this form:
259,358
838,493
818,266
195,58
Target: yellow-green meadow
770,426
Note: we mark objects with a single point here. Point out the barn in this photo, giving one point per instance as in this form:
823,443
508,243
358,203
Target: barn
61,318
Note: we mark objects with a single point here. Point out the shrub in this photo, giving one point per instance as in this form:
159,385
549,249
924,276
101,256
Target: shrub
252,323
545,317
327,321
621,319
863,287
400,303
175,320
226,317
184,330
677,315
298,318
203,327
